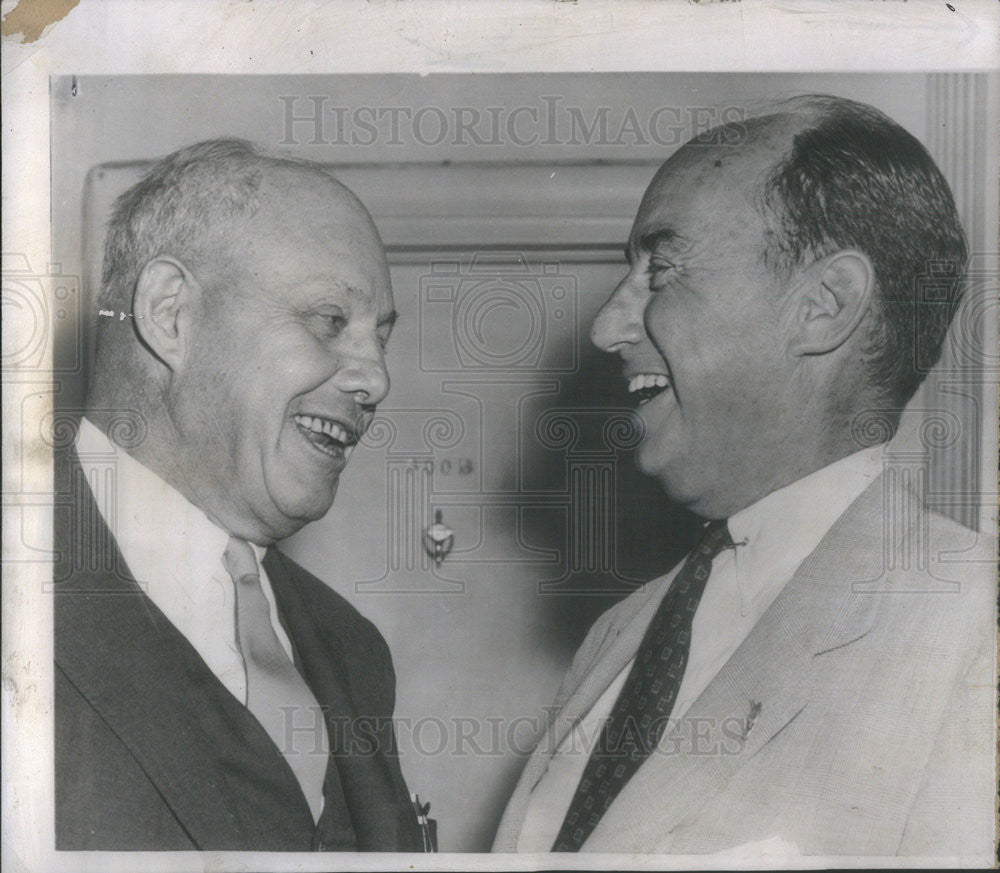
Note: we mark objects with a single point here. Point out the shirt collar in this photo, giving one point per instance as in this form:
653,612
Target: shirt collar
146,512
775,534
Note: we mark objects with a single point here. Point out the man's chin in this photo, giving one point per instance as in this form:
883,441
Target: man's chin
296,510
669,473
654,462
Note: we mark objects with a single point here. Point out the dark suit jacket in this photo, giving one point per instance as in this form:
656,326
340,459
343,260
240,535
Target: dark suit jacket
153,752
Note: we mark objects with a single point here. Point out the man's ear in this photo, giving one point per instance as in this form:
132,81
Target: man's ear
167,297
832,300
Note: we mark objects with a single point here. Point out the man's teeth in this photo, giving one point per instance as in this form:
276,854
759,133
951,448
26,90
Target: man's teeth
647,380
324,426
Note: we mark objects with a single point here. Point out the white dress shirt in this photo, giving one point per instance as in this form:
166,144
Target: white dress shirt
774,535
175,555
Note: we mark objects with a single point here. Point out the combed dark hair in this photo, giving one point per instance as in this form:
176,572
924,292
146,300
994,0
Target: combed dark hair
856,179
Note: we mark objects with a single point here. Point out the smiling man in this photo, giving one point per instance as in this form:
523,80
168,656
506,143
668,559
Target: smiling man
816,676
209,692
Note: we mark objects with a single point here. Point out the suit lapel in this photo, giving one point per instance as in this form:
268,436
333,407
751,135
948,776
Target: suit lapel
610,657
762,688
362,798
618,648
756,694
212,763
320,660
760,691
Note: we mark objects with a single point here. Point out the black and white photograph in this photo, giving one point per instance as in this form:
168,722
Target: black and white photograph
500,464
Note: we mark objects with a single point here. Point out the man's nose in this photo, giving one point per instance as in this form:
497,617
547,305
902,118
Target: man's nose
363,373
619,322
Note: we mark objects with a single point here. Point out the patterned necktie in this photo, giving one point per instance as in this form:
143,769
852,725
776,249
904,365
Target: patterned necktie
277,695
639,716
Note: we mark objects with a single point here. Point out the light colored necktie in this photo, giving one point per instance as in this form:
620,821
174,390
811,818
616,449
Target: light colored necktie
277,695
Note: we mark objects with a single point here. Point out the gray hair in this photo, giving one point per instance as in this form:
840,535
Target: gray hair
182,208
174,208
185,207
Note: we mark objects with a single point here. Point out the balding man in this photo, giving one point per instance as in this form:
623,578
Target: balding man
816,677
209,692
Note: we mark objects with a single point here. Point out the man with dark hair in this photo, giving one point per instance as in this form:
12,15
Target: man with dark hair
209,692
816,676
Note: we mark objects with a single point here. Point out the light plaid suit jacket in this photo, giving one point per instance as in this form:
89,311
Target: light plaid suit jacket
874,671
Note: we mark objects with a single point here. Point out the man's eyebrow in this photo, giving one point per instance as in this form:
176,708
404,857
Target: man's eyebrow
332,281
353,291
650,241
